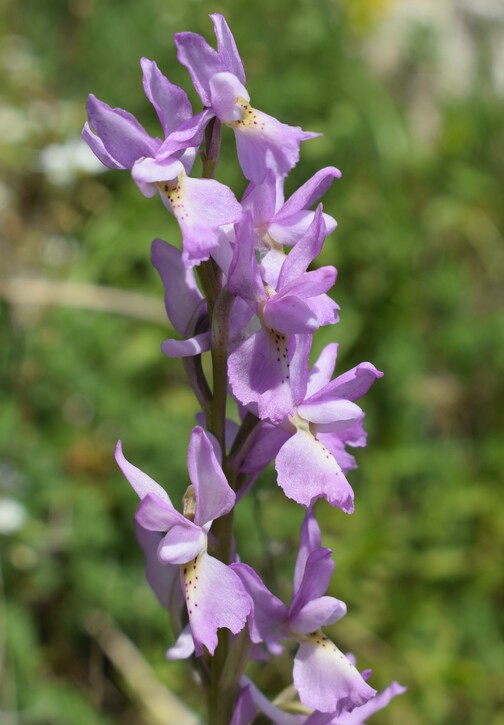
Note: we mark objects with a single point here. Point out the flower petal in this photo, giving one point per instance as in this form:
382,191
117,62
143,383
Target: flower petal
200,59
316,577
147,172
140,481
264,143
259,372
309,540
200,206
244,279
318,613
326,680
96,145
292,229
323,369
330,415
183,647
154,514
164,579
182,295
289,314
307,471
214,496
359,715
181,543
269,614
225,92
170,101
309,192
304,252
124,139
351,385
187,348
226,47
215,598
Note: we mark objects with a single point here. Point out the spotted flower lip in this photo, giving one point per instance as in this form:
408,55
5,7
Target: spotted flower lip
214,594
262,142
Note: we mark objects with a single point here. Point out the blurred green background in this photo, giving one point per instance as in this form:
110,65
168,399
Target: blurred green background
410,98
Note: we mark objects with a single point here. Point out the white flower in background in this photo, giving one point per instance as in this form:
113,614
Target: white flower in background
63,162
12,515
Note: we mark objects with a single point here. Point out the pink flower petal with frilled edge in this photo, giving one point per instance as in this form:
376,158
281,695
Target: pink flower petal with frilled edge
182,295
184,646
307,471
140,481
171,102
215,597
359,715
326,680
264,143
124,139
214,496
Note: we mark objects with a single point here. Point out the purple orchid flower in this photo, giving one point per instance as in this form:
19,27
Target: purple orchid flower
323,419
262,142
251,700
325,679
214,594
280,223
259,364
201,206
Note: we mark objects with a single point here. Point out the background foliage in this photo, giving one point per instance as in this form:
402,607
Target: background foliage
418,136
